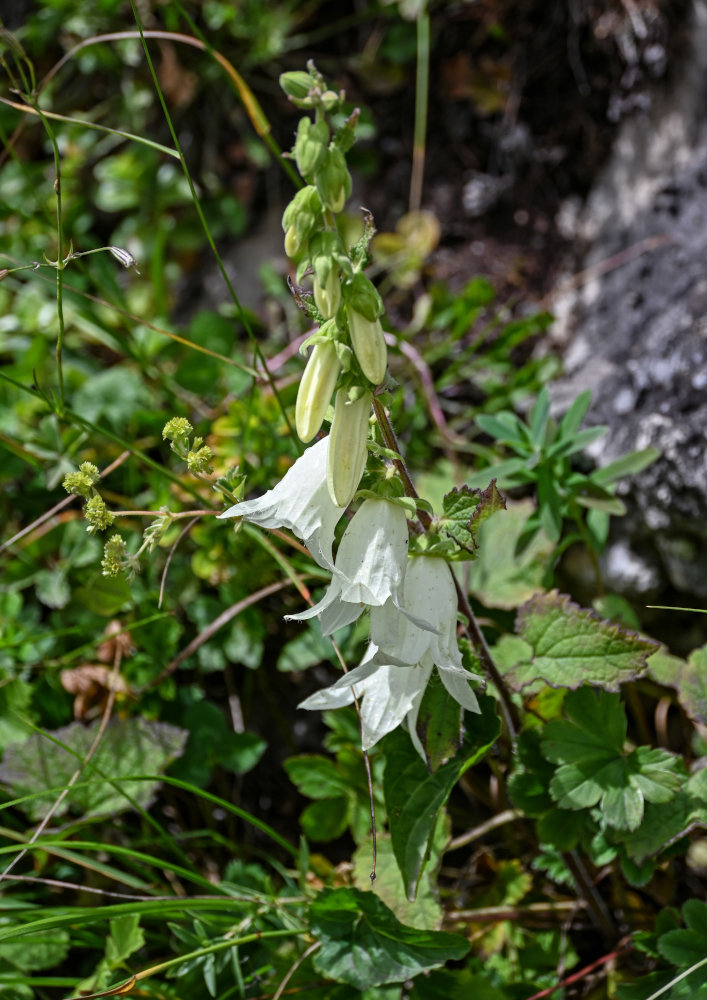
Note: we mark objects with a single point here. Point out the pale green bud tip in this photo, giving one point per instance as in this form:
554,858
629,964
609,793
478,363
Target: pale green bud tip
97,514
296,84
199,461
177,428
114,556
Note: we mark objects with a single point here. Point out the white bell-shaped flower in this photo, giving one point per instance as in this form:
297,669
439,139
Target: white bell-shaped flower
300,502
370,566
389,693
429,594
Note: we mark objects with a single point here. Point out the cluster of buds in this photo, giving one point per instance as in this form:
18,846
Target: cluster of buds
348,351
82,483
196,454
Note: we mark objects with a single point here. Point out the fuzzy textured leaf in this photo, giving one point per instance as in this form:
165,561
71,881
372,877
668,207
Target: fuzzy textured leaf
571,646
687,677
130,746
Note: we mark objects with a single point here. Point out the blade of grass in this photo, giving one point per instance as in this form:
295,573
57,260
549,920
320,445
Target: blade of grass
28,110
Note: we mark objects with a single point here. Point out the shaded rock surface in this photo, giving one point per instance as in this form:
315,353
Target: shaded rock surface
636,329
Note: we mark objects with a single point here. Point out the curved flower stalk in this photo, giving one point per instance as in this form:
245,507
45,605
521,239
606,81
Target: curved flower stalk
390,694
300,502
370,566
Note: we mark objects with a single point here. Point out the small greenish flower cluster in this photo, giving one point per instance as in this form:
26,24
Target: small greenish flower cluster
97,514
197,455
83,484
349,355
115,554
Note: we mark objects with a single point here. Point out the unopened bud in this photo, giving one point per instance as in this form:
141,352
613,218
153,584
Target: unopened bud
316,388
300,219
334,180
347,446
296,84
362,296
328,295
311,145
369,345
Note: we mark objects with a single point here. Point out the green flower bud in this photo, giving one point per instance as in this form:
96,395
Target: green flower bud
369,345
347,446
177,429
333,180
328,296
97,514
296,84
114,555
316,388
311,145
362,296
331,100
300,219
81,483
199,461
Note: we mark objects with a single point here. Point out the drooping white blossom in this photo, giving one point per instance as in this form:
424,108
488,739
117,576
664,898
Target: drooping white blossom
429,594
390,693
300,502
370,566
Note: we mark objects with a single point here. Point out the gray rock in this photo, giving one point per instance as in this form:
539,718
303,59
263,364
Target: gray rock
636,328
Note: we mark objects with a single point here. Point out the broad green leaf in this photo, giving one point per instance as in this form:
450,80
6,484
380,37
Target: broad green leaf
665,822
326,819
413,796
425,912
213,742
571,646
126,937
306,650
499,577
15,700
41,949
595,730
129,746
364,944
465,510
52,588
316,777
594,767
688,678
439,725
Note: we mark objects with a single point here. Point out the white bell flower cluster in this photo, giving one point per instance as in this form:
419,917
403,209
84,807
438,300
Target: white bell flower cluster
412,601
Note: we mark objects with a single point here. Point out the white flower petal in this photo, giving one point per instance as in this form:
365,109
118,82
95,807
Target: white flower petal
300,502
373,553
458,686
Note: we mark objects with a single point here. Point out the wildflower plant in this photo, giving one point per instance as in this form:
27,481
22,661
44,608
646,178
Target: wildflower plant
375,568
415,705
